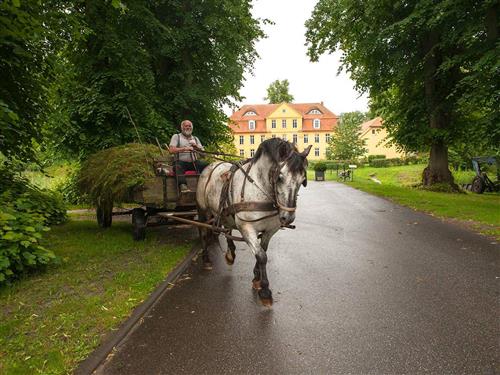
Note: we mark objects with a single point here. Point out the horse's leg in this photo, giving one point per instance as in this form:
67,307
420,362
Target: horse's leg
205,235
264,243
252,240
231,251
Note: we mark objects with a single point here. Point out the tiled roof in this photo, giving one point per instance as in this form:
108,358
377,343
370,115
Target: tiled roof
263,110
373,123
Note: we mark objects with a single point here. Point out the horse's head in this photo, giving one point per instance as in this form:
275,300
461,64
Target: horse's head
291,173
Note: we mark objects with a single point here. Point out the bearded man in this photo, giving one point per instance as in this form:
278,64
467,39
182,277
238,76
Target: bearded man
184,145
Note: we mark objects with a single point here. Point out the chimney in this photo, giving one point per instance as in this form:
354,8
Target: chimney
321,102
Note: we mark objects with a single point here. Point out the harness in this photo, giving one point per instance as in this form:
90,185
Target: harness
226,208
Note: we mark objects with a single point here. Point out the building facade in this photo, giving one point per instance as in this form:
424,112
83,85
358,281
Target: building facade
376,139
303,124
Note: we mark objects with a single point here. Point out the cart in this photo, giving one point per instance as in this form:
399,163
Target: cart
159,201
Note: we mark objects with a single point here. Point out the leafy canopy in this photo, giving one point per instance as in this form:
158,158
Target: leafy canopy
346,142
430,67
277,92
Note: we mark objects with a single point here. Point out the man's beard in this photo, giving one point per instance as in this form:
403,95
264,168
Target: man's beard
187,133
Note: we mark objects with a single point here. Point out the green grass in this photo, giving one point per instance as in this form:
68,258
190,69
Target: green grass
51,320
480,212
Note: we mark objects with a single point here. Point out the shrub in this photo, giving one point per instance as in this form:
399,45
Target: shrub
20,238
372,157
382,163
320,166
69,190
25,213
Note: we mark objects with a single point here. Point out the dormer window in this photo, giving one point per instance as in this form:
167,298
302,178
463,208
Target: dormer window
250,113
316,123
251,125
315,112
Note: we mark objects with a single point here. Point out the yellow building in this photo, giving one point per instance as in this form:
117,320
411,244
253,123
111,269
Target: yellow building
303,124
376,139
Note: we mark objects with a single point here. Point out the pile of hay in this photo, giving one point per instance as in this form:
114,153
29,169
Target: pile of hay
110,175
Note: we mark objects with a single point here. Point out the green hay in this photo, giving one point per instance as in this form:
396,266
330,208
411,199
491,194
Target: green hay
110,175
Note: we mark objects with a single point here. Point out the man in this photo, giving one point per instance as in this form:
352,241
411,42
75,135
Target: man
184,145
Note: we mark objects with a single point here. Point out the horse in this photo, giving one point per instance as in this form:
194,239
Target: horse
257,197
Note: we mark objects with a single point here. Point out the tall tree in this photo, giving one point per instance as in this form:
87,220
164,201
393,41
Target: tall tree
346,142
164,61
277,92
428,65
24,72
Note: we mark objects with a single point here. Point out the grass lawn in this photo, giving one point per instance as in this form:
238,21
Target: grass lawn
51,320
480,212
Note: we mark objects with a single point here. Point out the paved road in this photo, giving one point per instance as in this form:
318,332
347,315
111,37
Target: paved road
361,286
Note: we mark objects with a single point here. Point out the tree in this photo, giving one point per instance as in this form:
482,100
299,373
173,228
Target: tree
277,92
164,61
346,142
24,71
429,67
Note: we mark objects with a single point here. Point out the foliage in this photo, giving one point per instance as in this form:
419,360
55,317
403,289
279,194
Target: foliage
278,92
371,157
23,73
320,166
110,175
70,192
429,67
164,61
25,213
346,142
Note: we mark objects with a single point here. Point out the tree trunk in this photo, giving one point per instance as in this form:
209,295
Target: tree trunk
437,170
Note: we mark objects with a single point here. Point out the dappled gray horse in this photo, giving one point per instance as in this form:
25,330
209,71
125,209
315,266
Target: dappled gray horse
257,198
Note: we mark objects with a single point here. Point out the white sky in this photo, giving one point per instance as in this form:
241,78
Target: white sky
283,56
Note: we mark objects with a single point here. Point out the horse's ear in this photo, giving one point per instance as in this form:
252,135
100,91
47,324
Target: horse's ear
306,152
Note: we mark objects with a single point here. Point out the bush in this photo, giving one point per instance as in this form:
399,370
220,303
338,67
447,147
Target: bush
372,157
69,190
25,213
320,166
382,163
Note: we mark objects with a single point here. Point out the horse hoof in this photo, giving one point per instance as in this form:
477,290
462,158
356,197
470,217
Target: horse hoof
256,284
207,266
268,302
229,259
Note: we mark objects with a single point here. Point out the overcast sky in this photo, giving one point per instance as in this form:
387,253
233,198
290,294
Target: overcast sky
283,56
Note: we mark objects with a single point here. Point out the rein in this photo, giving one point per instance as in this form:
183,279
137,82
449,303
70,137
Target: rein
227,209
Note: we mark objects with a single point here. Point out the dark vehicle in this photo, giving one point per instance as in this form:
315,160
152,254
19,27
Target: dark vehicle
481,181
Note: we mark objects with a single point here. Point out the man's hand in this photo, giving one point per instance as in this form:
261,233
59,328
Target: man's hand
188,148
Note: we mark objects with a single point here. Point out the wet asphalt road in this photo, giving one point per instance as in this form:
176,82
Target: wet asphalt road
362,286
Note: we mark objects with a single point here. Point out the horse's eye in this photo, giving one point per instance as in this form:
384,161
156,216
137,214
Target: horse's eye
281,177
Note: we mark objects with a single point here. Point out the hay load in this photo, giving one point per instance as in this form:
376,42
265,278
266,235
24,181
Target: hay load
109,176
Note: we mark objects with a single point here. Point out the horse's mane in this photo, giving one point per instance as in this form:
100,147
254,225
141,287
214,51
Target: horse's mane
278,151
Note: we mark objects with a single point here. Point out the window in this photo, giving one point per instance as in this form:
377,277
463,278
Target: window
316,151
316,123
373,131
242,139
315,112
327,138
306,138
273,124
252,139
283,110
284,137
273,136
294,123
316,138
250,113
294,137
242,153
252,153
283,123
262,138
251,125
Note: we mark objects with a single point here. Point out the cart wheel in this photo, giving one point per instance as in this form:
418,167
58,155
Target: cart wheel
478,185
104,215
139,222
